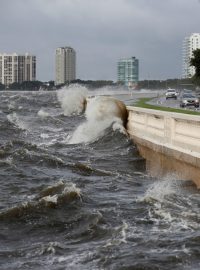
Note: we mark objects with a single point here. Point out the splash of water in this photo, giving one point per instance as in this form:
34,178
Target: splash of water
160,189
101,113
72,99
14,119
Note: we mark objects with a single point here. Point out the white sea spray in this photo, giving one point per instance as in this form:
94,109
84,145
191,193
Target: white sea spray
72,99
101,113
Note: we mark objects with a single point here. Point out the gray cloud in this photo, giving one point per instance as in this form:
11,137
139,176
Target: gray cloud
101,32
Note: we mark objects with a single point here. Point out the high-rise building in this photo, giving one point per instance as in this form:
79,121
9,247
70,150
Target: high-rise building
190,44
65,65
128,71
17,68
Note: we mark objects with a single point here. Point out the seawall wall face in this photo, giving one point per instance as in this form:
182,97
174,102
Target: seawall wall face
170,142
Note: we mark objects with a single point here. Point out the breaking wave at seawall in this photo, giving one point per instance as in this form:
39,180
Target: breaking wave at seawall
72,99
101,113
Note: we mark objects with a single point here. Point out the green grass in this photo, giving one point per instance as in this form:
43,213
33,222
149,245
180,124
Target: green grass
142,102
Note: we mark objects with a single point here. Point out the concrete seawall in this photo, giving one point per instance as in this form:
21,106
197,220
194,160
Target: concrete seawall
170,142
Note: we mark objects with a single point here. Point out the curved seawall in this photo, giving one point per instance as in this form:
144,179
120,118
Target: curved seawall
170,142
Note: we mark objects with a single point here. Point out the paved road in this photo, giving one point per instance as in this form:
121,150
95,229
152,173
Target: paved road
132,97
171,103
158,99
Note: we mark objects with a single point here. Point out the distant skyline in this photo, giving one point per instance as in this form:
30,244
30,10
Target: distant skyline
101,32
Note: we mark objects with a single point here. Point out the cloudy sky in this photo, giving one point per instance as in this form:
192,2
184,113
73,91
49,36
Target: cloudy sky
101,32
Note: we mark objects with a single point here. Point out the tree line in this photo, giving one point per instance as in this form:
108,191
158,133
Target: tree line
90,84
28,85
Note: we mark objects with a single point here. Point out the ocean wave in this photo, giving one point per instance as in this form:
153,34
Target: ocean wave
86,169
31,154
54,196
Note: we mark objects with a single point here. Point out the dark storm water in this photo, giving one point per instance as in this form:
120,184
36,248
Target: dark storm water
85,205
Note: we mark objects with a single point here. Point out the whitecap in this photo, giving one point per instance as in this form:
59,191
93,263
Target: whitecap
42,114
14,119
44,136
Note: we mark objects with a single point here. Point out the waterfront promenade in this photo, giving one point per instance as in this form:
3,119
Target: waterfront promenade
170,142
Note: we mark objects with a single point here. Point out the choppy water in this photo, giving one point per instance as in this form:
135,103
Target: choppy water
75,194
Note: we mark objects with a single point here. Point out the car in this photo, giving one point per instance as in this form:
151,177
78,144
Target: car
171,93
188,99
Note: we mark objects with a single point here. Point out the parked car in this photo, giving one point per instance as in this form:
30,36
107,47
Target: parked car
171,93
188,99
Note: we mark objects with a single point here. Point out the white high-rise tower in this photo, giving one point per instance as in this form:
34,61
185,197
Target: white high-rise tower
65,65
190,44
17,68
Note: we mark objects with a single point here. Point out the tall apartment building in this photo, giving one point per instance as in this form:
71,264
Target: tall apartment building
190,44
65,65
128,71
17,68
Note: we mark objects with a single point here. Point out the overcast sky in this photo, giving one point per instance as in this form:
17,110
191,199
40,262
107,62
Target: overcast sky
101,32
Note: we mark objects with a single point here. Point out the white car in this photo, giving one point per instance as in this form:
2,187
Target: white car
171,93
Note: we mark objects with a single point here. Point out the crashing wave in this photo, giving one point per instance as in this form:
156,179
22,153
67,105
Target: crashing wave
72,99
101,113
